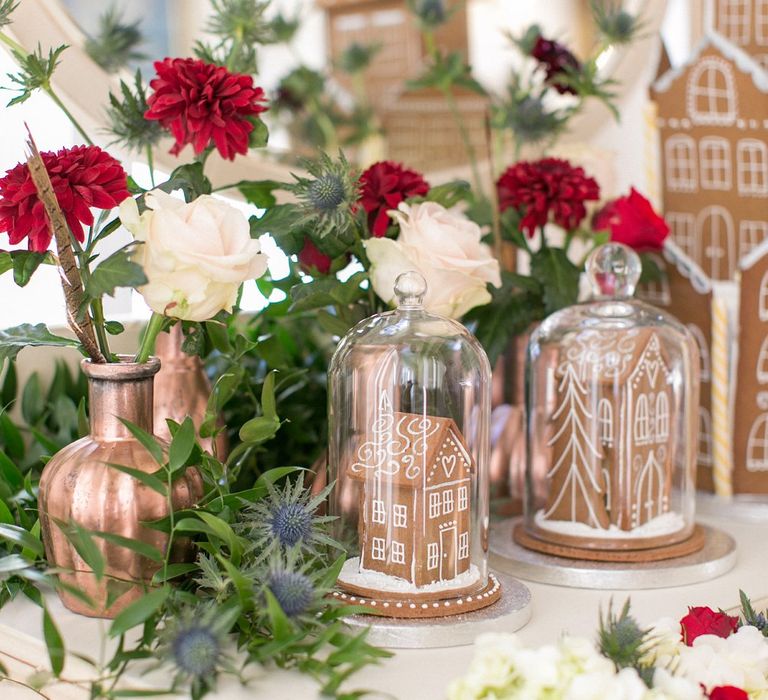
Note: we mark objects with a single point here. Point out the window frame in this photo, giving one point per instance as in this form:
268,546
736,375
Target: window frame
400,515
463,550
712,163
449,502
672,163
433,555
378,544
434,504
397,552
711,65
378,512
752,146
463,498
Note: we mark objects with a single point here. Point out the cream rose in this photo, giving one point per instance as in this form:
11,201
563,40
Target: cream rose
444,246
195,255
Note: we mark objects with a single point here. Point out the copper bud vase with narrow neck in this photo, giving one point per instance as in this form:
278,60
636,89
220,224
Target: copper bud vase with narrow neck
182,389
79,485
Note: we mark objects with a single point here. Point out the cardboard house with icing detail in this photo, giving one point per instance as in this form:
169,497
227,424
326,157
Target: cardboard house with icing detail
414,511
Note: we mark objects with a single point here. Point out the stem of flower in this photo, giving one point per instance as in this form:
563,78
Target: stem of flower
147,347
151,165
18,50
52,94
97,311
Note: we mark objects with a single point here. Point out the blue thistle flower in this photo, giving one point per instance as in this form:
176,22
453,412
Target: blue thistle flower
196,651
326,193
291,523
294,591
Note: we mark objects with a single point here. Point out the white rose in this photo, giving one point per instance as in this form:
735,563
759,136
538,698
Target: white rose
195,255
444,246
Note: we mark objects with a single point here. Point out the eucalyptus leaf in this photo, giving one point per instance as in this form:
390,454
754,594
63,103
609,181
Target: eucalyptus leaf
142,548
182,445
13,340
53,642
146,439
146,478
139,611
21,537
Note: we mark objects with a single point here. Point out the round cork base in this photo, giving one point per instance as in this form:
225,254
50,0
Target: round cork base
365,592
389,606
537,543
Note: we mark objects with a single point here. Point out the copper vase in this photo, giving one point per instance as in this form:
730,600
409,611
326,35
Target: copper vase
78,485
182,389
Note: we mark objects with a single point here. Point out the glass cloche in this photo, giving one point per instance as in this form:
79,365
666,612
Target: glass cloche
612,402
409,405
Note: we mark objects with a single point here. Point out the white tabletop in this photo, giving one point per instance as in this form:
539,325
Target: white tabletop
411,674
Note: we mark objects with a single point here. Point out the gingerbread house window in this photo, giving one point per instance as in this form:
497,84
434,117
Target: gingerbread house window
398,552
762,362
704,450
447,501
714,231
642,420
605,421
680,157
715,163
377,516
400,515
432,551
733,20
662,417
463,498
463,545
377,548
752,167
757,445
434,504
712,92
761,23
682,226
751,234
762,307
701,342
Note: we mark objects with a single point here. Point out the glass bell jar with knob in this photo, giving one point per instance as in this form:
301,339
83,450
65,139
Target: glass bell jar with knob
612,402
409,405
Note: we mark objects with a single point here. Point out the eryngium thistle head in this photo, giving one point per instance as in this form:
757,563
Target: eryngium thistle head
291,523
326,193
431,13
294,590
616,24
196,650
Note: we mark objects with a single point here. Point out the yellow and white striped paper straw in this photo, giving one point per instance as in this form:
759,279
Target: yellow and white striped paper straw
722,449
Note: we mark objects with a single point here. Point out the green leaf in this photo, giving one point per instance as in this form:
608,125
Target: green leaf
142,548
114,327
83,543
53,642
327,291
259,137
6,262
268,406
210,524
139,612
450,193
172,571
147,440
11,437
10,473
217,332
32,401
279,622
182,445
12,563
259,192
21,537
259,429
118,270
331,323
83,424
5,514
558,276
190,179
276,219
25,263
13,340
145,478
10,386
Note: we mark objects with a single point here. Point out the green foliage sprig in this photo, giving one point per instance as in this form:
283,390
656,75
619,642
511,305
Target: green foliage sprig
116,43
621,640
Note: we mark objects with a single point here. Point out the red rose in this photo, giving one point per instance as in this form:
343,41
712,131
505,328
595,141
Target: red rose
200,103
727,692
703,620
544,186
312,260
383,186
83,177
633,221
557,61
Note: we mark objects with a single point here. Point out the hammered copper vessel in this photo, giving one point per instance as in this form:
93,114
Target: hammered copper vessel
182,389
79,485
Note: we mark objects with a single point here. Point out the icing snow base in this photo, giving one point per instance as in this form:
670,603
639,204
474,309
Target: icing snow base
354,575
666,524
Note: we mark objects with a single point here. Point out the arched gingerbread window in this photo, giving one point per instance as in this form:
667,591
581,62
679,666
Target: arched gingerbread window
701,343
662,417
757,445
712,92
642,428
716,241
605,421
734,20
752,167
715,163
762,362
680,163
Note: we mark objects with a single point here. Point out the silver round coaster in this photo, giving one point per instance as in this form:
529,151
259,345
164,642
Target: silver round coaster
745,508
716,558
511,612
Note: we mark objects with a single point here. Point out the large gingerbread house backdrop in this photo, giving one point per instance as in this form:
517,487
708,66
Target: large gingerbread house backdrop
414,511
612,437
713,125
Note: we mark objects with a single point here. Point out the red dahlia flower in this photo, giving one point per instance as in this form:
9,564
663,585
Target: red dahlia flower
312,260
557,62
704,620
383,186
199,103
82,177
633,221
544,186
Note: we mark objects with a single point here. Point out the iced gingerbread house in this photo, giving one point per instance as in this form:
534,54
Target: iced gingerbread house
611,457
414,517
713,123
